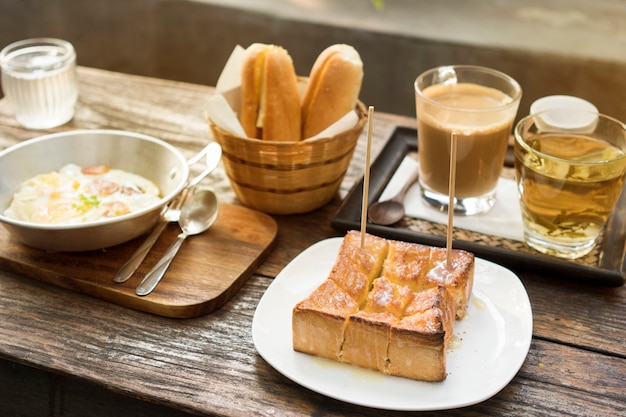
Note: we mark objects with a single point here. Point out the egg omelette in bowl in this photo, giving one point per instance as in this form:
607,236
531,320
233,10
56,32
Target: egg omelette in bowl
75,195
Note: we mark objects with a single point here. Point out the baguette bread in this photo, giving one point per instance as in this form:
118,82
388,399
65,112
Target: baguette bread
387,306
333,88
270,96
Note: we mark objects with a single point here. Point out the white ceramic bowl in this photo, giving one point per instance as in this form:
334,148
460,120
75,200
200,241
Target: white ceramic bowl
149,157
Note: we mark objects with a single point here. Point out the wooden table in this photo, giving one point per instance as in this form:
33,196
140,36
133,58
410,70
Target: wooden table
65,353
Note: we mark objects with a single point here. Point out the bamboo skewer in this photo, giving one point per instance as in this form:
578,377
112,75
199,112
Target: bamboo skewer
366,176
451,187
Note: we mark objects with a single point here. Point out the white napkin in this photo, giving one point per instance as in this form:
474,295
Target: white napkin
344,124
220,113
228,97
504,219
229,82
230,77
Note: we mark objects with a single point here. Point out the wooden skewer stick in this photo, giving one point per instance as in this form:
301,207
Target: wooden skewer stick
366,176
451,187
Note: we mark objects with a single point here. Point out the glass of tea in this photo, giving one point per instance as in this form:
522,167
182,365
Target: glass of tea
477,104
570,166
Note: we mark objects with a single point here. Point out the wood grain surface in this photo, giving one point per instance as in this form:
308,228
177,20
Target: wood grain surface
207,271
71,354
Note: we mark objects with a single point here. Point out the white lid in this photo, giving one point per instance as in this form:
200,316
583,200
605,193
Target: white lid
571,113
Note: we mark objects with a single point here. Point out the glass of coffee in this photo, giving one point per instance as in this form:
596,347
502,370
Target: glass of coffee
479,106
570,166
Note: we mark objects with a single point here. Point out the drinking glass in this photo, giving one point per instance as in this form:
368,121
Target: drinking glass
570,166
39,80
479,105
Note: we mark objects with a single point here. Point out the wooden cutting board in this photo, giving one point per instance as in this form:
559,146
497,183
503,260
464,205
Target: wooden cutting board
209,269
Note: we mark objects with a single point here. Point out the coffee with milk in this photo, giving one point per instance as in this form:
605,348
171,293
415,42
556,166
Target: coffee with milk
482,137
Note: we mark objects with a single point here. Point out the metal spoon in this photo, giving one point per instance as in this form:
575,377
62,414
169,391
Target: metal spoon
197,215
391,211
171,213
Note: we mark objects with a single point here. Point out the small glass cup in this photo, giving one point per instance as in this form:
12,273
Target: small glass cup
39,79
570,167
479,105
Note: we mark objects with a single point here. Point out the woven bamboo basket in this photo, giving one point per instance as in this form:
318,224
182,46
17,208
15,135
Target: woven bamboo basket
288,177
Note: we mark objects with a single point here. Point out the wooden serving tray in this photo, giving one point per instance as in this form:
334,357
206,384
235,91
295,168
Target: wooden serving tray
209,269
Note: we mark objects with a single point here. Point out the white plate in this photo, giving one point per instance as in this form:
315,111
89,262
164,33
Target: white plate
490,343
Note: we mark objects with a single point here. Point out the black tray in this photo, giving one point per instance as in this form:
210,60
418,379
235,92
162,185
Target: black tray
607,267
